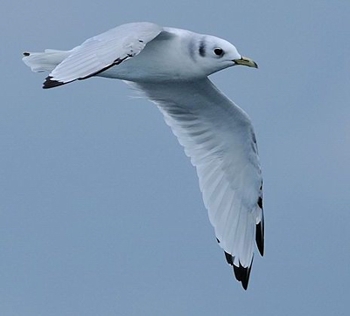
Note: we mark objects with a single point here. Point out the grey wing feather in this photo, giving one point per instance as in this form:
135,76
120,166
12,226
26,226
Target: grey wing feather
103,51
219,138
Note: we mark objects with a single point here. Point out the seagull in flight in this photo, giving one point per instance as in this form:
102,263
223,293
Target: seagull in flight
171,67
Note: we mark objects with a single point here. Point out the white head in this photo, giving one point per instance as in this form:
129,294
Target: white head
216,54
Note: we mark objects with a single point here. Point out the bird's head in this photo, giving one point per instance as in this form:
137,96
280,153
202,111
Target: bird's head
216,54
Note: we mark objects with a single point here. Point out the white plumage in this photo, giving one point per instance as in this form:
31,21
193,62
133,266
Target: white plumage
170,66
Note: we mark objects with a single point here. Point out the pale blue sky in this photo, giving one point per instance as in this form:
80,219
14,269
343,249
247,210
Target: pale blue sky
100,210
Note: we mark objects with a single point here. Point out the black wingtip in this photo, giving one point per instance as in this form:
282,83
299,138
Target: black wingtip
229,258
241,273
259,237
52,83
259,230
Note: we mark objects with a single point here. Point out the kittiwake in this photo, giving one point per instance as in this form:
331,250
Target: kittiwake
171,67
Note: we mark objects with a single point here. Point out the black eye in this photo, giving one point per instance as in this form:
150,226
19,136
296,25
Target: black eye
218,52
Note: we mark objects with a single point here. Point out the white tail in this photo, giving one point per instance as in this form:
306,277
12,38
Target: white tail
45,61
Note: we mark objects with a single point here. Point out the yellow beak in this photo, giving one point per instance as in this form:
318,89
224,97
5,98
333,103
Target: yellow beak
245,61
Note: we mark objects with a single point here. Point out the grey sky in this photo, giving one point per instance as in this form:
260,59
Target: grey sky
100,210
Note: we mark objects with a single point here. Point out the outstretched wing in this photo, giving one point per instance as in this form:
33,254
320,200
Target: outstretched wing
103,51
219,138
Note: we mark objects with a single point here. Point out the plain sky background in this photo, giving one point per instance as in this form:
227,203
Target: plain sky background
100,210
